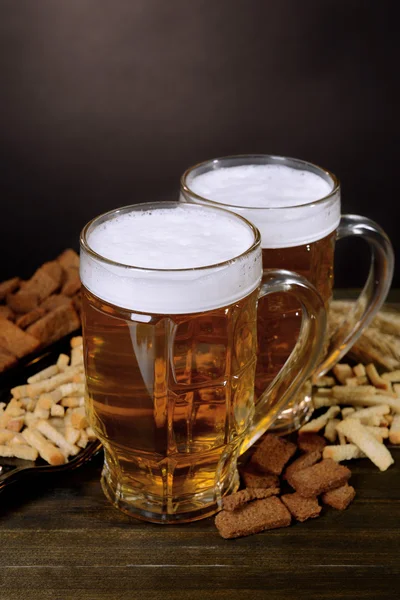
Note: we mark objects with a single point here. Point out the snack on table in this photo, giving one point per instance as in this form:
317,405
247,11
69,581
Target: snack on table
6,313
330,432
320,422
342,452
243,514
255,479
41,310
6,287
309,442
272,454
359,435
7,359
305,460
394,433
339,498
46,417
321,477
301,508
23,321
366,412
233,501
371,414
379,343
55,325
15,341
252,518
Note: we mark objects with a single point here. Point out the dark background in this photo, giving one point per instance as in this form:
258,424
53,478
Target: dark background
106,103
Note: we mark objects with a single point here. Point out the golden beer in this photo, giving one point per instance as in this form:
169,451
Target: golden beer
168,396
296,207
279,315
169,331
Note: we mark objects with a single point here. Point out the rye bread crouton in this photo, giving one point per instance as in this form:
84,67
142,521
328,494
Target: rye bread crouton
305,460
253,517
68,258
272,454
6,313
7,359
339,498
9,286
321,477
72,282
16,341
41,283
53,270
54,301
233,501
22,301
253,479
301,508
55,325
308,442
27,319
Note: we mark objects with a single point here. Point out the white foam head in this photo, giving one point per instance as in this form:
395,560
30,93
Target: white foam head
280,200
170,258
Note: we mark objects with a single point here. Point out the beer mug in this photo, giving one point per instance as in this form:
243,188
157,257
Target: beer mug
169,307
296,207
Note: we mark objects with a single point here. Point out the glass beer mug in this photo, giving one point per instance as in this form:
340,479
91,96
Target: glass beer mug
296,207
170,295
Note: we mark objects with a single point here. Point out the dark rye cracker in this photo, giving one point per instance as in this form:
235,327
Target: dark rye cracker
254,479
308,442
9,286
27,319
303,462
6,313
54,301
22,301
339,498
272,454
41,283
54,270
56,324
321,477
27,302
254,517
68,258
7,359
301,508
15,341
237,499
72,282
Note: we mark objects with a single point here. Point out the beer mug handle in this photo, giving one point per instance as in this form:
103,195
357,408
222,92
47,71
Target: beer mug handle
306,353
374,292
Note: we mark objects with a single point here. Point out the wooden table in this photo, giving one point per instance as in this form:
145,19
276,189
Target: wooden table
64,540
60,539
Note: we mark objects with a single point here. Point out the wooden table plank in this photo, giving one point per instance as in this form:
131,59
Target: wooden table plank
62,539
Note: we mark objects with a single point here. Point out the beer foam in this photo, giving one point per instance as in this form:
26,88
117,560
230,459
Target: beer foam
169,259
280,200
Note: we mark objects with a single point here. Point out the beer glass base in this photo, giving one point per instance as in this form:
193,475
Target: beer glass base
296,414
146,507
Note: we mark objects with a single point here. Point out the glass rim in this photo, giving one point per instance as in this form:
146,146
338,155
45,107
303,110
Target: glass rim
308,166
84,242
